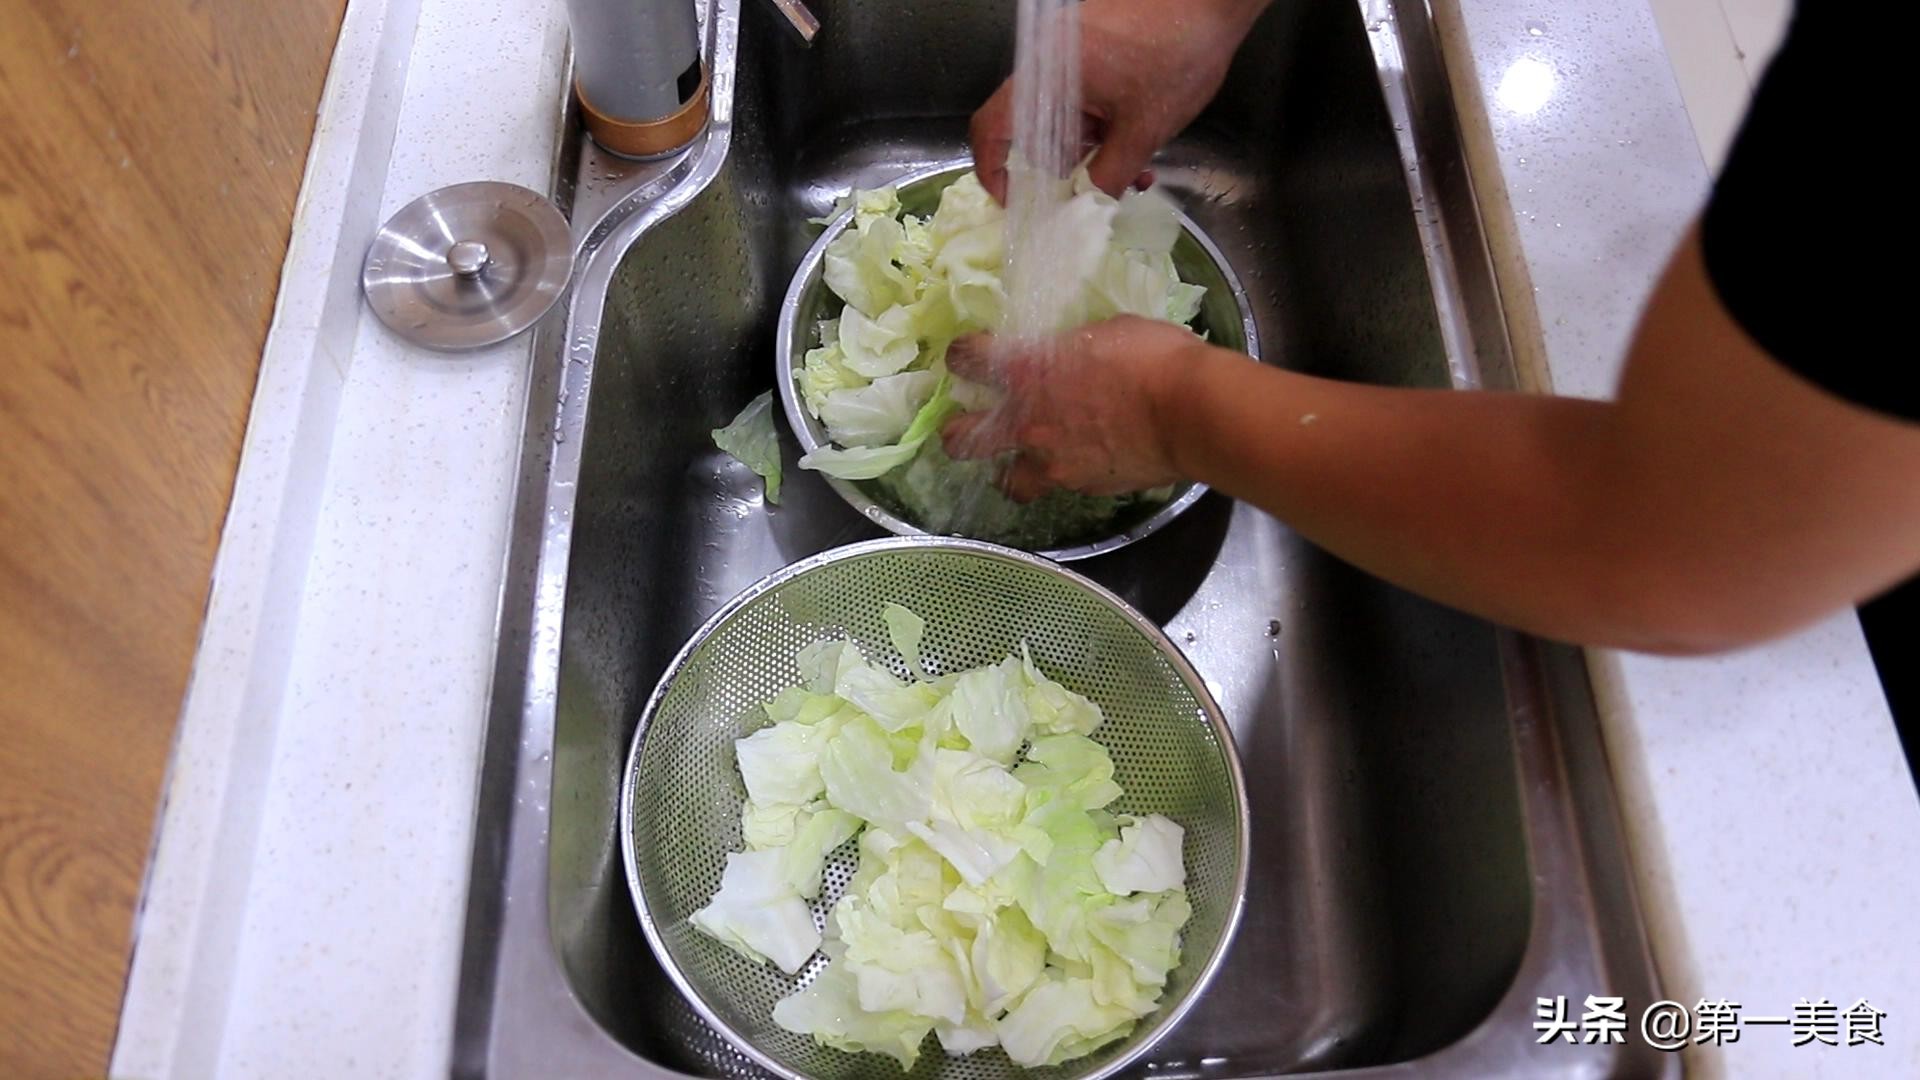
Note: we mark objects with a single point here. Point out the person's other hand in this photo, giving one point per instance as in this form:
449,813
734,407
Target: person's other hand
1087,416
1147,68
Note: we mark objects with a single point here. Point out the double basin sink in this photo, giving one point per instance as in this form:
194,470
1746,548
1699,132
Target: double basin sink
1435,841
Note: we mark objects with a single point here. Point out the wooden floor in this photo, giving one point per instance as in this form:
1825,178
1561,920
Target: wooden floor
150,154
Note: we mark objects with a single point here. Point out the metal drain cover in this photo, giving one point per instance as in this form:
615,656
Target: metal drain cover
468,265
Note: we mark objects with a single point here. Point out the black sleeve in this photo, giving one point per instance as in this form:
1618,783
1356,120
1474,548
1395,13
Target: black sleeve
1805,236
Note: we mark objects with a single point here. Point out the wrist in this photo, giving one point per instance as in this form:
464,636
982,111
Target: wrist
1178,406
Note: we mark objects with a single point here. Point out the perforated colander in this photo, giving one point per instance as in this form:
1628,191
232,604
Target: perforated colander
680,809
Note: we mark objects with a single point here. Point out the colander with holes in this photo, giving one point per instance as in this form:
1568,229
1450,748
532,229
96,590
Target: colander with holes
682,796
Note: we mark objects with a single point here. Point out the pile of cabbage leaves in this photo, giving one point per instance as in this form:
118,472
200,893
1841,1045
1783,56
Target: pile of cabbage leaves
995,901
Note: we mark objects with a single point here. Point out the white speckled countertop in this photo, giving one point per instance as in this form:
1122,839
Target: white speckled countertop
1774,826
303,909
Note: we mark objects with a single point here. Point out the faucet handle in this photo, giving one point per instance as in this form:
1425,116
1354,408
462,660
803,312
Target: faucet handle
798,16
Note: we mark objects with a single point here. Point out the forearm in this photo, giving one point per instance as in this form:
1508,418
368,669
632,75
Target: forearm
1224,23
1717,503
1505,505
1241,13
1194,29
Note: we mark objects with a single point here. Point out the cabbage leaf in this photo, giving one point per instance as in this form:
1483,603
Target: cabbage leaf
751,440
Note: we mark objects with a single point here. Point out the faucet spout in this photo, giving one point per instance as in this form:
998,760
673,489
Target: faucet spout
802,19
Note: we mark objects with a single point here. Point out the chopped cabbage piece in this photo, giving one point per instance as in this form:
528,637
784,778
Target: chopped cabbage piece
1145,932
959,1040
990,709
1059,1020
1145,857
797,704
825,373
867,462
907,632
869,203
892,704
1072,768
860,778
758,913
806,854
1007,957
878,346
823,664
878,413
829,1010
1057,891
859,267
781,764
751,440
771,826
1146,221
1053,708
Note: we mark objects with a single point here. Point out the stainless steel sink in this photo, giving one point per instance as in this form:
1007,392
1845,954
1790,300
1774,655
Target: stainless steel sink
1435,837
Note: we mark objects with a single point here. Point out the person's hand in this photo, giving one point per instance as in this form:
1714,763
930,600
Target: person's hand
1147,68
1086,416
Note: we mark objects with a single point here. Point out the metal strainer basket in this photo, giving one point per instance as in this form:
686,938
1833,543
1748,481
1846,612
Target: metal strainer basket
1225,317
681,801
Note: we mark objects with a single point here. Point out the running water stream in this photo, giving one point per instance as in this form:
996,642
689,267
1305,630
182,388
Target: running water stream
1046,145
1039,297
1045,268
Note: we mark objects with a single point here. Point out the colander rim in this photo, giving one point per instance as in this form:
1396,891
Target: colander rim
1163,1020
